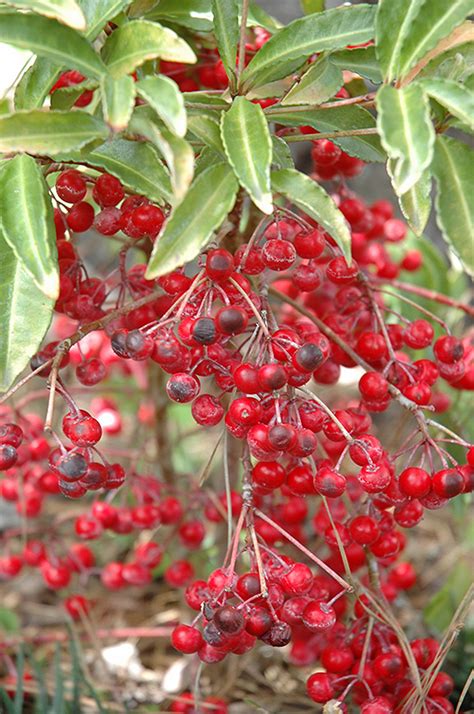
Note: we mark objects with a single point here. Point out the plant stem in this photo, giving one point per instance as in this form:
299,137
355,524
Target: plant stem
331,134
304,550
243,33
431,295
362,99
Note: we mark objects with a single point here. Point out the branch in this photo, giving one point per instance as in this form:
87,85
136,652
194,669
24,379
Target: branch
243,33
365,99
430,295
331,135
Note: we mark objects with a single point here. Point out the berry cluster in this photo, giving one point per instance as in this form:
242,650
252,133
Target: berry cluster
249,335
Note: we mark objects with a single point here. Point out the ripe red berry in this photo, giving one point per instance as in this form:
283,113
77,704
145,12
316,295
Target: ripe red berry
278,254
414,482
418,334
268,474
364,530
186,639
55,576
108,191
298,580
448,349
80,217
76,606
148,220
339,272
71,186
372,346
310,245
319,687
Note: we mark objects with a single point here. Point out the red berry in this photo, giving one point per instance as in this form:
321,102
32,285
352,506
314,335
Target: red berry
186,639
364,530
182,387
448,483
108,191
71,186
219,264
278,254
319,688
80,217
414,482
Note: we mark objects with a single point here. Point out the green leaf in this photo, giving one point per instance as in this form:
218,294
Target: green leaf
456,64
290,47
135,163
49,132
192,98
63,99
9,620
139,40
281,154
98,13
361,60
197,15
406,133
458,100
309,6
51,39
440,610
164,96
367,148
206,159
26,215
433,273
187,231
177,152
452,168
118,100
206,129
35,83
19,700
392,24
66,11
41,695
227,31
313,200
258,17
193,14
25,314
59,697
139,8
434,20
6,702
248,146
320,82
415,204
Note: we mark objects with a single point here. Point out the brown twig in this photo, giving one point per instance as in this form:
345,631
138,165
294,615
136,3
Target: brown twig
365,99
331,135
430,295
